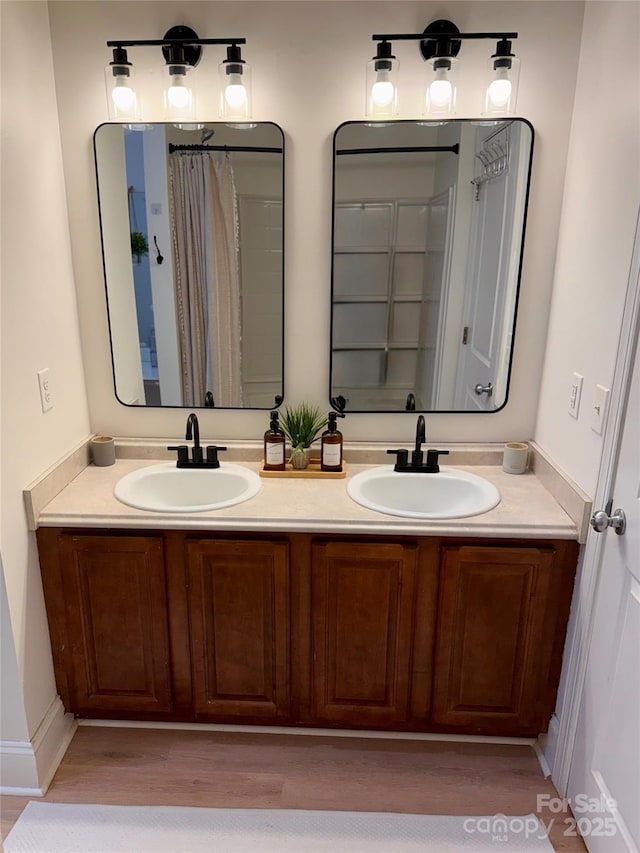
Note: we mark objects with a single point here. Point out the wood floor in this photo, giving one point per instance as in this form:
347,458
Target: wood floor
124,766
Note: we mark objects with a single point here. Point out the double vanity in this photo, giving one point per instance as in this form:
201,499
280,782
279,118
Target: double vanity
299,605
431,601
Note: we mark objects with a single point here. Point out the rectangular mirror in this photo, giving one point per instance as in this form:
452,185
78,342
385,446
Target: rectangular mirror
428,232
192,242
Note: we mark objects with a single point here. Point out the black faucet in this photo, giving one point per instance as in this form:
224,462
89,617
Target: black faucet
193,431
417,465
421,437
196,461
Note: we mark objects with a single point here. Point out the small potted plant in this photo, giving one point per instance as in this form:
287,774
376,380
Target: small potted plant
139,245
302,425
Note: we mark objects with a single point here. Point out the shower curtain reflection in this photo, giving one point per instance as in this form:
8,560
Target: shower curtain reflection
205,247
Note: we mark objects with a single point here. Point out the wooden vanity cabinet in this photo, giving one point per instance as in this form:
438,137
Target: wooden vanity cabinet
501,622
407,633
362,618
107,605
373,612
238,593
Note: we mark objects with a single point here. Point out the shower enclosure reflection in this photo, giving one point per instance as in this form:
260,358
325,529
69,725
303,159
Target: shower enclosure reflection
192,233
427,239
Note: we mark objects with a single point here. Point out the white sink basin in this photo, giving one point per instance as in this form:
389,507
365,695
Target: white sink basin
449,494
166,488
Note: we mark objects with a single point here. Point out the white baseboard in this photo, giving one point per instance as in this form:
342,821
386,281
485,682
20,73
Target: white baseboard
308,732
27,767
546,747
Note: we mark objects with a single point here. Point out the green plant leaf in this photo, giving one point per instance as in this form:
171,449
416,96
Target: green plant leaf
139,245
302,424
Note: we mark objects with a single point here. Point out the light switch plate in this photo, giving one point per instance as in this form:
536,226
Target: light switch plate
599,410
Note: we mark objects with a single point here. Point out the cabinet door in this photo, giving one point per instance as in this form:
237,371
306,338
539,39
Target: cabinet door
239,615
362,615
116,617
497,623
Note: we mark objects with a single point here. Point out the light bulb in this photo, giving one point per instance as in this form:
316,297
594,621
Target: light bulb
499,91
178,94
440,90
235,93
124,98
382,90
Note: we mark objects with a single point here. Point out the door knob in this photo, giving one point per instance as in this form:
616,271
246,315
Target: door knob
484,389
601,520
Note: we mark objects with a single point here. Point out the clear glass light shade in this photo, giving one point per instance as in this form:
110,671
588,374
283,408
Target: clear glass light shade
501,95
179,102
122,100
440,98
382,88
235,94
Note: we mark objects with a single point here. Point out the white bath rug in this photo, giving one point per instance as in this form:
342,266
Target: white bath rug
62,828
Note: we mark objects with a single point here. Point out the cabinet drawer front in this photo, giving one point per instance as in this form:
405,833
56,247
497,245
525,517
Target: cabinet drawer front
239,616
492,649
362,613
116,613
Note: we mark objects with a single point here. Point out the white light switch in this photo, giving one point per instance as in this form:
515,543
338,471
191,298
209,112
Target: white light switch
156,208
575,392
599,411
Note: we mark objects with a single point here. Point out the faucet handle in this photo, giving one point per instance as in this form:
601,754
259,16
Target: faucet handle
402,458
212,455
432,459
183,452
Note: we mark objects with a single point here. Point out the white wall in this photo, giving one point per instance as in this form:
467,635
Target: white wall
600,207
309,62
39,329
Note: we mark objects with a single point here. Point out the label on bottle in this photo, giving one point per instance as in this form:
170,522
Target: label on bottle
275,454
331,455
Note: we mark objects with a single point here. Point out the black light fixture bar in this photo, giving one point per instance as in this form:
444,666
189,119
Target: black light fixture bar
440,35
169,42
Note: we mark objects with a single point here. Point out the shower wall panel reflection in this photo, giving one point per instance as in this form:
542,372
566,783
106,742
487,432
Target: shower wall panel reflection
427,241
192,232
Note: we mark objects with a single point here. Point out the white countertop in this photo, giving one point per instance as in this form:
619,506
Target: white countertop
526,510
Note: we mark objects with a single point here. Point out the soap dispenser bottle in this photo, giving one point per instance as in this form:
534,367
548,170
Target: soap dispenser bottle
274,444
331,447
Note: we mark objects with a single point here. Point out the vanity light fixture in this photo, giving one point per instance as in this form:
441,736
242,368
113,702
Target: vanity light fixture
235,97
182,50
504,76
439,45
121,96
180,58
382,89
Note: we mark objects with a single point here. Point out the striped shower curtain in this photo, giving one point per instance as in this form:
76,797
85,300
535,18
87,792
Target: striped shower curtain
205,248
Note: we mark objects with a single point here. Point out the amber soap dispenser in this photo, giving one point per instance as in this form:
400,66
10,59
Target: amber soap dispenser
274,443
331,447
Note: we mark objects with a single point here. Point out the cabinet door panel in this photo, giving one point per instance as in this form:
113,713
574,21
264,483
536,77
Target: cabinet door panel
116,612
492,644
239,613
362,606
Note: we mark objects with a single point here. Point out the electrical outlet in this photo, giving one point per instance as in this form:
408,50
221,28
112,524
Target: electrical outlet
46,396
575,392
599,410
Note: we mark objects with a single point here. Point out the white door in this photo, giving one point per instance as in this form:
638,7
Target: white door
604,779
494,256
